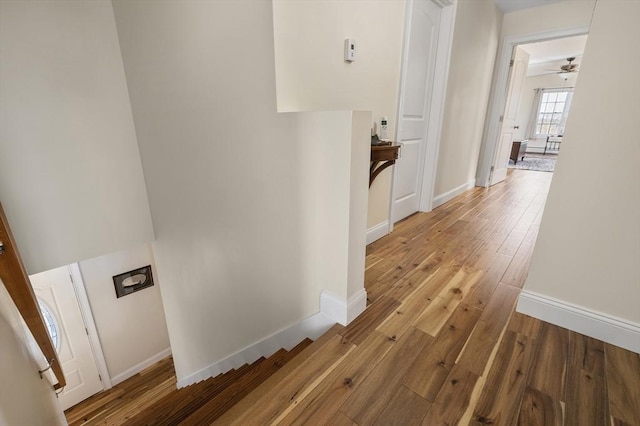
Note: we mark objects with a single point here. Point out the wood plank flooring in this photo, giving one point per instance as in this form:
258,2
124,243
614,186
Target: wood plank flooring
440,342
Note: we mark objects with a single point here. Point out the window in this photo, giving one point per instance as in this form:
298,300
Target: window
51,323
553,111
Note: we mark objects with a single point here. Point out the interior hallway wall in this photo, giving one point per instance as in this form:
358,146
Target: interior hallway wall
71,180
251,207
475,41
132,329
25,398
589,242
311,73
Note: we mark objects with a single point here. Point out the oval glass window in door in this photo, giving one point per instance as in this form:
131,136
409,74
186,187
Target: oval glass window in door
51,323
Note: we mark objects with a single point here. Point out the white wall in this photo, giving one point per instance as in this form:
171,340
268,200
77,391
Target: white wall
311,73
71,182
475,41
556,16
132,329
549,81
251,208
589,243
25,399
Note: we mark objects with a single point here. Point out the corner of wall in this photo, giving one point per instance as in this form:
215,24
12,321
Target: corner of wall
343,311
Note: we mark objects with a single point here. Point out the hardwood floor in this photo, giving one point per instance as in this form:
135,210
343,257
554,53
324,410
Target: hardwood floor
440,342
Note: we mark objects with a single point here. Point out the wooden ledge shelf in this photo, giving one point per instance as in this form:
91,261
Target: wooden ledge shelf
382,156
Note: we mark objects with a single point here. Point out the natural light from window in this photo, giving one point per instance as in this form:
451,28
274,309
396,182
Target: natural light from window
553,111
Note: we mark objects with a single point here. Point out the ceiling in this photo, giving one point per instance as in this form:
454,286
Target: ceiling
549,55
513,5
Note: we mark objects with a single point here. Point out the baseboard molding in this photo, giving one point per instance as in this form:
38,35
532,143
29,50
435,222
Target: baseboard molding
311,327
332,310
449,195
341,311
378,231
594,324
140,366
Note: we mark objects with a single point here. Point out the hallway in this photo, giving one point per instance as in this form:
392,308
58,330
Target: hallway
440,342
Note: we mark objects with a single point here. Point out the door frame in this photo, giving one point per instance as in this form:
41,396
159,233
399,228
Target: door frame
429,153
89,323
490,144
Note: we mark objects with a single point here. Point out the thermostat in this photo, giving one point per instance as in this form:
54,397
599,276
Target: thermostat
349,50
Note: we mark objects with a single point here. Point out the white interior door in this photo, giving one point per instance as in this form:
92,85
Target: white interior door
58,301
415,105
509,121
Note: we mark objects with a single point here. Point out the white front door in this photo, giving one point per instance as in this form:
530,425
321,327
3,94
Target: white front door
509,121
415,105
59,304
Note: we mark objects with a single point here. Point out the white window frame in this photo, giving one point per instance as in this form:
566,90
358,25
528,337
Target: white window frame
565,111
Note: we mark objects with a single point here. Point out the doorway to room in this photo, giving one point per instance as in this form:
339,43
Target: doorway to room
538,100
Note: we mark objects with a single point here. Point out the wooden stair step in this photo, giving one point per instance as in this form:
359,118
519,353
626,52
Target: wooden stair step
230,396
180,404
177,406
280,397
272,382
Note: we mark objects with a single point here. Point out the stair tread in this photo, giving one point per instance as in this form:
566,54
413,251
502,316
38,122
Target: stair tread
220,403
217,394
249,402
180,403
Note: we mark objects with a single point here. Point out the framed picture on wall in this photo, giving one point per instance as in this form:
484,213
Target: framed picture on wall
133,281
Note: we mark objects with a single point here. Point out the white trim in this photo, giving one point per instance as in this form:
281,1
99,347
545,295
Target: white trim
449,195
341,311
489,151
140,366
311,327
438,98
378,231
89,323
590,323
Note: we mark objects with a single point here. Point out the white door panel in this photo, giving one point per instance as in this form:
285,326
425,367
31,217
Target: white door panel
412,129
405,178
509,123
55,291
414,106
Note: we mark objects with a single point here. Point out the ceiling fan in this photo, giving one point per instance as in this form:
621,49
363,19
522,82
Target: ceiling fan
567,69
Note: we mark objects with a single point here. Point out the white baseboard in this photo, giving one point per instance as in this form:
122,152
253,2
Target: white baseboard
378,231
342,311
311,327
449,195
332,310
594,324
140,366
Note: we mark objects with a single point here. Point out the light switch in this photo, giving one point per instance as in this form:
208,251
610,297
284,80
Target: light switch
349,50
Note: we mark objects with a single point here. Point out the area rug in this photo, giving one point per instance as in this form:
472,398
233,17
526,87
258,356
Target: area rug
536,162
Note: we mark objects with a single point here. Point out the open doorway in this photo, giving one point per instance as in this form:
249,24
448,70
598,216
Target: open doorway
545,102
538,100
512,67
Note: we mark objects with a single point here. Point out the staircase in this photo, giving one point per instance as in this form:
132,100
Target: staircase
204,402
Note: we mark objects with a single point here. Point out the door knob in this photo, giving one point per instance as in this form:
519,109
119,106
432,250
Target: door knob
516,127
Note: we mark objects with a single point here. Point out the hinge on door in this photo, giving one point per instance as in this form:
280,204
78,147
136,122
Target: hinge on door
491,174
71,277
86,331
100,377
511,63
501,119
